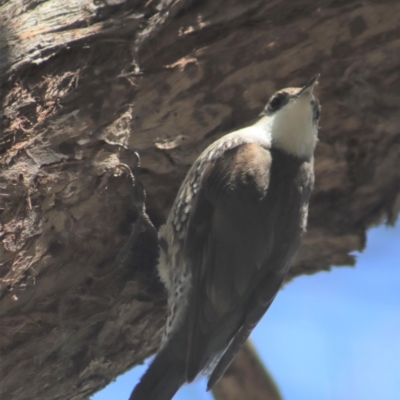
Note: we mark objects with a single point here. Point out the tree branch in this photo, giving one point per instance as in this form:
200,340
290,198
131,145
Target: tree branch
246,378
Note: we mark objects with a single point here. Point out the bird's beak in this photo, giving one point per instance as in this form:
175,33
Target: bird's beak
309,87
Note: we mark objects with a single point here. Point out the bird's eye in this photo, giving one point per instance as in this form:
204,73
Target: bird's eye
276,103
316,110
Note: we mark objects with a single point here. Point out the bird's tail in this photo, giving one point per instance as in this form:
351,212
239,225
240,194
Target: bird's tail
164,377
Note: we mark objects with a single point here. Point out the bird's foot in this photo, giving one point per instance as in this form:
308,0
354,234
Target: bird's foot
143,223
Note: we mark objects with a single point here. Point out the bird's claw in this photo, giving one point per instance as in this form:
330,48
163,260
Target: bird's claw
143,222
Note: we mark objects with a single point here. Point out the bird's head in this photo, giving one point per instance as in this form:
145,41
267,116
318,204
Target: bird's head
291,117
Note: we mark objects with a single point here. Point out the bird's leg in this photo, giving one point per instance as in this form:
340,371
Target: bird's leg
137,189
143,222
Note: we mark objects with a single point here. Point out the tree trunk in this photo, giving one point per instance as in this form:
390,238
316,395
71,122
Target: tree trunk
164,78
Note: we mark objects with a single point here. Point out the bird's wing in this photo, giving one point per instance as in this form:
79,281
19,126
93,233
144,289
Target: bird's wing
230,236
261,301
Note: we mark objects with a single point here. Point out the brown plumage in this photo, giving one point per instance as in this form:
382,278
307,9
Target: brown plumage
240,240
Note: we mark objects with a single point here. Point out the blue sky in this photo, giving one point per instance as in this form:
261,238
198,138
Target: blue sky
330,336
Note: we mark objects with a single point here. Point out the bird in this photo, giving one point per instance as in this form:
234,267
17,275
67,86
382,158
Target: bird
229,240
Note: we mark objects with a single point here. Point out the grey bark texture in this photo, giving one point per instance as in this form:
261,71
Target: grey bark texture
165,79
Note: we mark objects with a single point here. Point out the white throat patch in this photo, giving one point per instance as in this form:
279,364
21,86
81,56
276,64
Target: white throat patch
293,129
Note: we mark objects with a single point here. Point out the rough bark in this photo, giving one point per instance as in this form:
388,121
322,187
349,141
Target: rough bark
164,78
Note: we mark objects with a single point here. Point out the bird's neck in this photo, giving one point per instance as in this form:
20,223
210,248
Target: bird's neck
295,136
